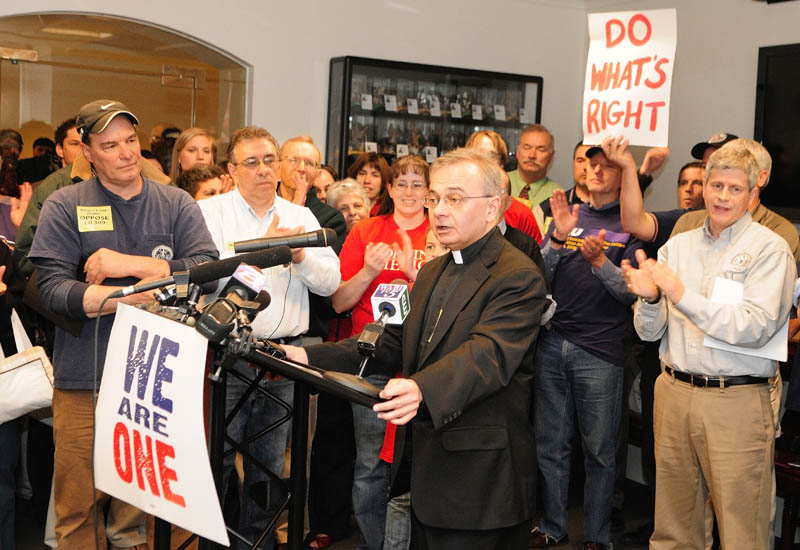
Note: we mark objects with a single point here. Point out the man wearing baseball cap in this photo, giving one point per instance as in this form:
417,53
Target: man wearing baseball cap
704,149
95,237
578,368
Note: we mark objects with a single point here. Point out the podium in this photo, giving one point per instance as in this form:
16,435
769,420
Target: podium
307,379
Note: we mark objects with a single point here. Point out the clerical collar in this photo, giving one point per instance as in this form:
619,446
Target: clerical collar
466,255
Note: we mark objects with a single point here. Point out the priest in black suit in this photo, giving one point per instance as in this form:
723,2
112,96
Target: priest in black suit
465,352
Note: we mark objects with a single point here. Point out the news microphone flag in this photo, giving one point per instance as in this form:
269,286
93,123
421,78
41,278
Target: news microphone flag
393,299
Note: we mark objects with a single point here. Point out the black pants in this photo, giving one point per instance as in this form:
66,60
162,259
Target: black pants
330,485
433,538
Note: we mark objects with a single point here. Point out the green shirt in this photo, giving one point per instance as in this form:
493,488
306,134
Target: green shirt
58,179
539,191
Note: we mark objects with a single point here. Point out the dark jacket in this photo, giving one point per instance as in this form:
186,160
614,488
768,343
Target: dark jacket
473,463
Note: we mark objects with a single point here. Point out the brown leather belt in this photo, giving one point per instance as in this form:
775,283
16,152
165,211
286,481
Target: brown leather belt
703,381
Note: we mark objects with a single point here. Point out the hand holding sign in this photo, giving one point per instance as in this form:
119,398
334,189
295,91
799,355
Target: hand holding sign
616,150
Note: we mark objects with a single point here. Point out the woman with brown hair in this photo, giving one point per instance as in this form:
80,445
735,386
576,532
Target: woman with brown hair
372,171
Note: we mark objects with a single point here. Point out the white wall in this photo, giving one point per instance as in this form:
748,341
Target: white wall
289,45
716,62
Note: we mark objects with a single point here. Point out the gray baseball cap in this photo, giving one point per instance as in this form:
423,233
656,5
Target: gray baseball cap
94,117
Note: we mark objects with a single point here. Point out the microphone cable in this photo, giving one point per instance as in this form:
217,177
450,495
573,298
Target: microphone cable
95,389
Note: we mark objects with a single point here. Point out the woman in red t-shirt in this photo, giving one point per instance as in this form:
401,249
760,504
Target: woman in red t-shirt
385,248
372,171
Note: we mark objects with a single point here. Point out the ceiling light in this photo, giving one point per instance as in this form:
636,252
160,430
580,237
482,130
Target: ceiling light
77,32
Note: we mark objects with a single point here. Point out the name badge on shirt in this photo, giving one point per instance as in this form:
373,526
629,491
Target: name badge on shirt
95,218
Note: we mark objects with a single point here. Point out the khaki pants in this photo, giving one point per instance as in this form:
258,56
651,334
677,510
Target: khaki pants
72,482
717,442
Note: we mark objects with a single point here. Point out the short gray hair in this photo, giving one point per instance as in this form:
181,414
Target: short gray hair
759,152
734,156
347,186
488,171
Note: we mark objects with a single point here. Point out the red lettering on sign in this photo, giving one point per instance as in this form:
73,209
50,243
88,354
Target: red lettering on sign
662,76
613,25
610,24
631,25
144,462
600,115
164,451
125,471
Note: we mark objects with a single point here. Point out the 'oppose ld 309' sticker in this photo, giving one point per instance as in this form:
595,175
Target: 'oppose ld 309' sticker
95,218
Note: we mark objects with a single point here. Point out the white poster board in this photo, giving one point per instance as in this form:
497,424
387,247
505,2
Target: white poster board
629,76
150,442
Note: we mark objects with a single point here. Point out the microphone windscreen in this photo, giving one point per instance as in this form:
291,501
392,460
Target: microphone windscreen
212,271
264,299
399,282
328,236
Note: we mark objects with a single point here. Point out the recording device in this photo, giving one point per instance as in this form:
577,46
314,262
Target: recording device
213,270
390,305
240,300
320,237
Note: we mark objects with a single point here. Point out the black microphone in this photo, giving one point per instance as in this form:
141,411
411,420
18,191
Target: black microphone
242,292
321,237
214,270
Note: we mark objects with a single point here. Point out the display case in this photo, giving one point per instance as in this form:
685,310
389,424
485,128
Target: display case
396,108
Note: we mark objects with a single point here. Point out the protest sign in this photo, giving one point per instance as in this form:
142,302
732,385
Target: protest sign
629,76
150,443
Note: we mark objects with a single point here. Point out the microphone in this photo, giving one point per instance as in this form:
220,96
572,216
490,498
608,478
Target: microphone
321,237
389,306
392,301
243,292
214,270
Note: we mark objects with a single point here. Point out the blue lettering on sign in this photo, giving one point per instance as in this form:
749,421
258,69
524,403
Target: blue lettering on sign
137,363
137,367
164,374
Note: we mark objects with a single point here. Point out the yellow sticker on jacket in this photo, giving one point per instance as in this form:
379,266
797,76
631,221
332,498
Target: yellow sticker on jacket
95,218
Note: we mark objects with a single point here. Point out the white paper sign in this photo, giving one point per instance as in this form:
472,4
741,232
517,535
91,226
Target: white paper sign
150,446
436,109
390,102
413,106
370,147
629,76
499,112
402,150
523,116
430,154
455,110
366,102
477,112
731,292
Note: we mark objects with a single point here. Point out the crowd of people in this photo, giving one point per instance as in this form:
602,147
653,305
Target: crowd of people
531,304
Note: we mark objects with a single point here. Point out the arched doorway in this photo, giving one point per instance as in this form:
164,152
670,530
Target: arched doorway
52,63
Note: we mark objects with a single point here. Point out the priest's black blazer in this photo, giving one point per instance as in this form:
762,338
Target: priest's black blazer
474,459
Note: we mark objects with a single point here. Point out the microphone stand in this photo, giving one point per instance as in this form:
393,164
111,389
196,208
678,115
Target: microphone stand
367,342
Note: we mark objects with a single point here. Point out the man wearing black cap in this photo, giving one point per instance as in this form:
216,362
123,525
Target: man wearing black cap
704,149
578,369
95,237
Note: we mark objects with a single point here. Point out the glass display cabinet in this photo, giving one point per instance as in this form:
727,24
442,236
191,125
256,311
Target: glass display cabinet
395,109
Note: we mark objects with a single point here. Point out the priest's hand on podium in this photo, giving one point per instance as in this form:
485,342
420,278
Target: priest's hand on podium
296,353
403,398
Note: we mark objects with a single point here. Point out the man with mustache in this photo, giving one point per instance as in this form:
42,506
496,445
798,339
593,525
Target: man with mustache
535,153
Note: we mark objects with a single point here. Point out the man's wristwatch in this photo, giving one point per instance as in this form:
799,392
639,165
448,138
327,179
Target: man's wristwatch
651,302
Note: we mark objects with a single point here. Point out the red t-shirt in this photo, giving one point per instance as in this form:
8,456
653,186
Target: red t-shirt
351,259
521,217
